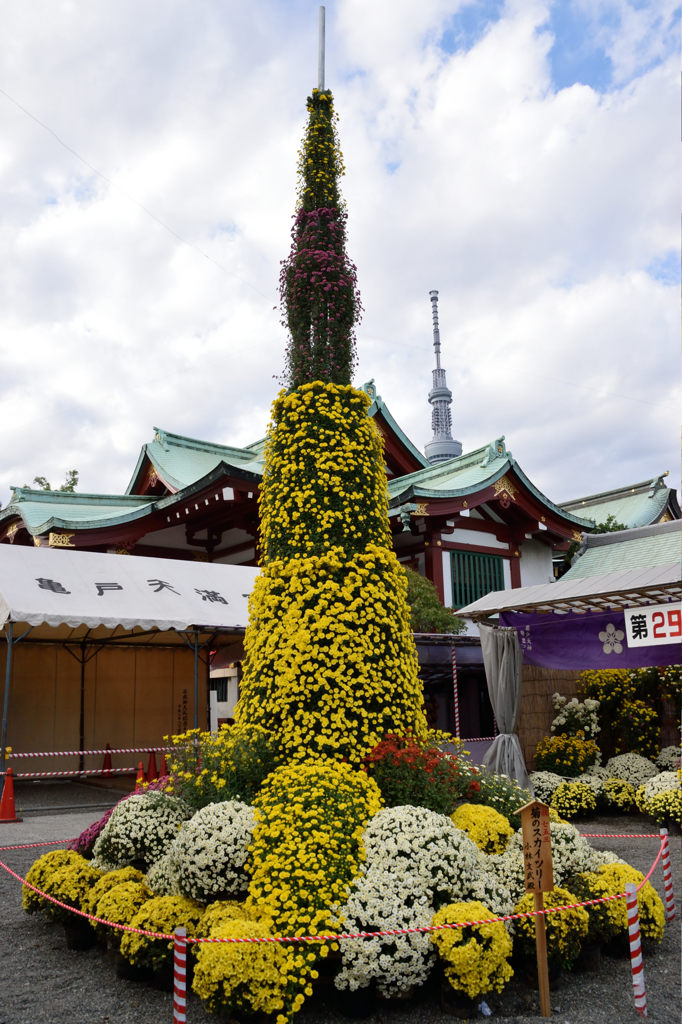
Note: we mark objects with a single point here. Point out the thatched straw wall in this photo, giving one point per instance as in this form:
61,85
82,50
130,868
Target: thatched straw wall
536,704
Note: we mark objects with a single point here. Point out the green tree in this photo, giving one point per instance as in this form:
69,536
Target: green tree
427,614
70,482
608,525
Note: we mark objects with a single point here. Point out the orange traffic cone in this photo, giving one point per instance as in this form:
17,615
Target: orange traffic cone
164,767
106,763
140,777
151,768
7,812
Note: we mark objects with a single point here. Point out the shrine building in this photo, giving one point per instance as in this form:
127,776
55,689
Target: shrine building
471,522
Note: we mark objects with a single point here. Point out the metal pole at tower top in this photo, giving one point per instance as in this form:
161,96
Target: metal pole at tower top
320,53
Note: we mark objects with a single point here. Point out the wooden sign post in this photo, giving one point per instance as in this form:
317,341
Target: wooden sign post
537,863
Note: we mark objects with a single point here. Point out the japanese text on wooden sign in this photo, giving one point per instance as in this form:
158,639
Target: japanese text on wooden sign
537,847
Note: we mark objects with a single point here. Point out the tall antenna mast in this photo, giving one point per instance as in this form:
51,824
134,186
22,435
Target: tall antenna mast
442,446
320,53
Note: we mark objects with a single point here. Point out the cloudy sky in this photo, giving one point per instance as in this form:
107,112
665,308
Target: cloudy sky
519,156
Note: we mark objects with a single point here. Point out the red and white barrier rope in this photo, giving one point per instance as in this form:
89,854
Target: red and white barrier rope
180,938
335,937
636,962
620,835
79,753
30,846
180,976
667,877
74,771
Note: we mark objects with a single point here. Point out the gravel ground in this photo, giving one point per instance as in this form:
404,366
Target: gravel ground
44,983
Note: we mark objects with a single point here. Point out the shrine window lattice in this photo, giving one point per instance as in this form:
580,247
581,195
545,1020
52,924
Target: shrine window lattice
474,575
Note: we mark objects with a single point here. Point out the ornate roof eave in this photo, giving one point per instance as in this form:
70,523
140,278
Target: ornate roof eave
560,513
147,464
222,473
673,505
167,441
117,528
479,457
66,498
416,493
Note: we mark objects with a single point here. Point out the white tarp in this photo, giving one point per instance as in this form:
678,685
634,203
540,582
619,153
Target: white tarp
502,661
84,588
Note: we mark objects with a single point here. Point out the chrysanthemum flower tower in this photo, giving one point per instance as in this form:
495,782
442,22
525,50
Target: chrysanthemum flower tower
331,665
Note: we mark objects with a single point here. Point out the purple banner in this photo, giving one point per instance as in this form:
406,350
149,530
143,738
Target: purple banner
589,640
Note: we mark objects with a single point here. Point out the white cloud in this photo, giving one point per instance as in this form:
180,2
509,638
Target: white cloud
145,297
635,34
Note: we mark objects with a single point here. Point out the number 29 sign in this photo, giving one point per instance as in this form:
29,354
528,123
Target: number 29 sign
654,624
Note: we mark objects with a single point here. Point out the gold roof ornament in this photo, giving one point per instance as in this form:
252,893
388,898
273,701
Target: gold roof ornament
61,540
505,486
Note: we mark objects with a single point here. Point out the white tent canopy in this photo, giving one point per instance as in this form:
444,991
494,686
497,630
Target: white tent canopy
85,600
630,588
65,595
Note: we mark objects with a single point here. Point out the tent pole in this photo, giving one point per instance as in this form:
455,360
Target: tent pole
196,679
5,706
81,723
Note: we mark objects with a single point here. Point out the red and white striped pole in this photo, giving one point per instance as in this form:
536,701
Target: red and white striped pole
455,688
636,961
667,878
180,976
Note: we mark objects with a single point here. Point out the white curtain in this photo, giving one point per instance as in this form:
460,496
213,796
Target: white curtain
502,661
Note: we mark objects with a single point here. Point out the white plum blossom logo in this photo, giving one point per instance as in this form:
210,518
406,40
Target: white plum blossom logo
611,639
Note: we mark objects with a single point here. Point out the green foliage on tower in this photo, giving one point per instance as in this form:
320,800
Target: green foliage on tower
318,283
331,665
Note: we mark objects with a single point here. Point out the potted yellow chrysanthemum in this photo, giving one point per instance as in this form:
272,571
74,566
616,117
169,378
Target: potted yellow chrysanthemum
475,955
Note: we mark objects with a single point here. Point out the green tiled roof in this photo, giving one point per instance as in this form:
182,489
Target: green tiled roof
456,476
637,505
600,553
181,461
466,474
42,511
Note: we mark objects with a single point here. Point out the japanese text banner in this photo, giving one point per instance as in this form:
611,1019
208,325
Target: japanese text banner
92,589
589,640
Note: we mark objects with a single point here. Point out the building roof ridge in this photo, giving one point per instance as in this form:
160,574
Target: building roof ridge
485,455
164,437
636,533
72,497
643,485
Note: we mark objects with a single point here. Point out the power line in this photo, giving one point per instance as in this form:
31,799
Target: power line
131,199
598,391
